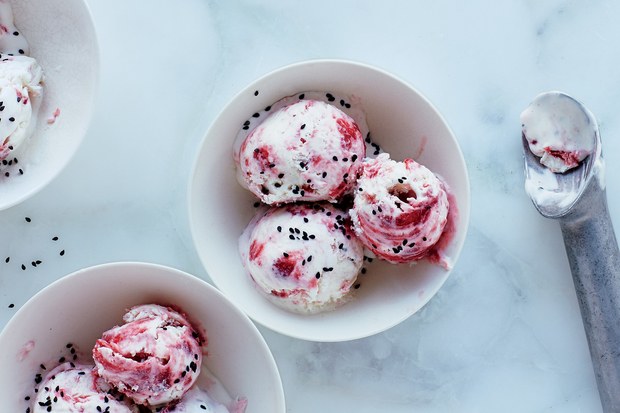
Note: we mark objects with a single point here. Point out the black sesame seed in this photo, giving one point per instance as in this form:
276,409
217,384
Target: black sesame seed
256,204
62,253
55,239
317,275
363,270
279,228
302,126
285,254
28,219
12,119
302,96
23,267
256,115
11,305
7,259
268,108
356,286
256,93
335,158
16,33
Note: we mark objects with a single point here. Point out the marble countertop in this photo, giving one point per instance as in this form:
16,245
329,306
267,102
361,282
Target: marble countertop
504,334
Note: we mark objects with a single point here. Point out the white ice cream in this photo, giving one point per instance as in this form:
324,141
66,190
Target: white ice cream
73,388
302,150
20,92
559,130
303,257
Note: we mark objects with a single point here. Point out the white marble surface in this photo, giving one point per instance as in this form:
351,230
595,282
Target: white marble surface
503,335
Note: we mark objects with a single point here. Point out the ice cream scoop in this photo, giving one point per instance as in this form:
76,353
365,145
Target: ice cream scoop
71,388
303,257
578,200
154,358
400,209
308,150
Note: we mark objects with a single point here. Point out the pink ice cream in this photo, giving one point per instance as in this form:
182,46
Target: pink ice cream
153,358
400,209
303,257
71,388
308,150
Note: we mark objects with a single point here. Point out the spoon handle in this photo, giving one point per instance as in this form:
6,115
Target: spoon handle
594,260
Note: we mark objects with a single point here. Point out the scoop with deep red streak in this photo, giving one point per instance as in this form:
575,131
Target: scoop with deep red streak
153,358
400,209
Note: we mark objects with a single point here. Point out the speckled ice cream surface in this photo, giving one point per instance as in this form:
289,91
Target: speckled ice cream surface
153,358
304,147
302,257
71,388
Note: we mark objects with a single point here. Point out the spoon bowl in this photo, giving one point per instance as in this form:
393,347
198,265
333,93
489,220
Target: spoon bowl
555,194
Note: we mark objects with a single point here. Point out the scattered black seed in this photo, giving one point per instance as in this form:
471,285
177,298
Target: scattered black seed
356,286
256,204
302,96
62,253
11,305
330,97
302,126
12,119
363,270
279,228
28,219
423,238
268,108
256,115
256,93
7,259
335,158
285,254
405,242
23,267
55,239
16,33
317,275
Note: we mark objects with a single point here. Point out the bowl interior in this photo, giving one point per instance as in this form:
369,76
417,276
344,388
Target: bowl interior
401,121
79,307
62,39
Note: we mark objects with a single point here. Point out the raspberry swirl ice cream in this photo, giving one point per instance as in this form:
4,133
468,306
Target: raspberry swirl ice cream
303,257
307,150
153,358
74,388
400,209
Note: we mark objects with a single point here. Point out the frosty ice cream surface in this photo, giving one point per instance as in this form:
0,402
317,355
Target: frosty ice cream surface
21,80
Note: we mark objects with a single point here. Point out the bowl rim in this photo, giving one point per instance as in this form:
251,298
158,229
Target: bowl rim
464,203
87,118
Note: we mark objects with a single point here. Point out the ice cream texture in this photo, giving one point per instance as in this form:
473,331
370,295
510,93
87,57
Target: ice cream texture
20,85
400,209
154,358
71,388
305,150
303,257
558,130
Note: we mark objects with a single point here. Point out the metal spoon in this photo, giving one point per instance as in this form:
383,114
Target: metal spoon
578,200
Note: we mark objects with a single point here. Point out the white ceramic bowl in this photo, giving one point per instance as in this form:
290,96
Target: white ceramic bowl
62,39
79,307
402,121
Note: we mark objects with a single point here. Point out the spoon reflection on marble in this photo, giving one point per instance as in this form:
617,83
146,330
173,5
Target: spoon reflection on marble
578,200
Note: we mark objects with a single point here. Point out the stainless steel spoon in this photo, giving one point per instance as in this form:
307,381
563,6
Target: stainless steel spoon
578,200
